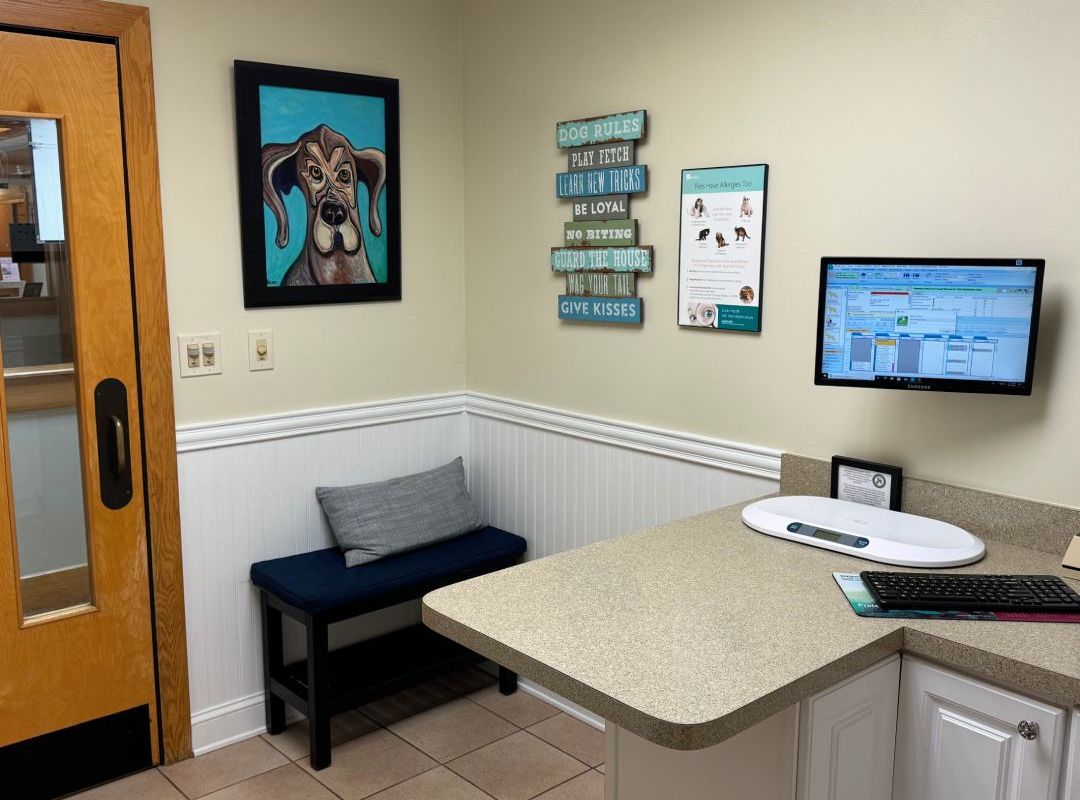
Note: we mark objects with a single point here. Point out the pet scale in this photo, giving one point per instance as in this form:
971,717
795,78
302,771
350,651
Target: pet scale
877,534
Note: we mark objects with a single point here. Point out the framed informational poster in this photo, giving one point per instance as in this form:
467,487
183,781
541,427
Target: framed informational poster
722,247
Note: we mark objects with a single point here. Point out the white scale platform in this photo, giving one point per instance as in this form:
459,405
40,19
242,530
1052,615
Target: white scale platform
877,534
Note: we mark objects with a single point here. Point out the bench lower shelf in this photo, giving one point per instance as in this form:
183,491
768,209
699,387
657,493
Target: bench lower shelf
375,668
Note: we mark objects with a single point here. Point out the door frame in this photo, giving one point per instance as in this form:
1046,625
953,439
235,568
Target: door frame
129,28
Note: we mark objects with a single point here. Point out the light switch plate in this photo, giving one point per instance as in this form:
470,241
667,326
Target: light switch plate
200,354
260,350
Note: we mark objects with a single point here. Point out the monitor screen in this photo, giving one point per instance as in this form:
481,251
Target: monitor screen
956,325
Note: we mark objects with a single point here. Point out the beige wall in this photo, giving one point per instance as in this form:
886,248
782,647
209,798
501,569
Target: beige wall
891,128
328,355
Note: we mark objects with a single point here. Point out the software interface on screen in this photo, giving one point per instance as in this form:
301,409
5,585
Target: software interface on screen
906,322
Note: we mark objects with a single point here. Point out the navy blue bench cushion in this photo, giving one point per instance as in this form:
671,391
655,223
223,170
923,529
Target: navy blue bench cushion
320,581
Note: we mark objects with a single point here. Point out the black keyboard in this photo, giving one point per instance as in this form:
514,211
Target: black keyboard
969,592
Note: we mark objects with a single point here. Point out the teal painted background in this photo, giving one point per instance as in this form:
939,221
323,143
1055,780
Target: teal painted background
724,179
285,114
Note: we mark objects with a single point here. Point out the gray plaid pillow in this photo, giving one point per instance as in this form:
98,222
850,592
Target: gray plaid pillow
373,520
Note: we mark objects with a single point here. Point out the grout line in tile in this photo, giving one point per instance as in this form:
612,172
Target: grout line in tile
561,783
171,781
392,785
545,741
478,788
234,783
443,764
500,716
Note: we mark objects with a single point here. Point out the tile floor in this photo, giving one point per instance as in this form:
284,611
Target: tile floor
456,738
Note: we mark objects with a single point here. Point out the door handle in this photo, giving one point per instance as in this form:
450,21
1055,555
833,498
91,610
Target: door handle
119,464
114,443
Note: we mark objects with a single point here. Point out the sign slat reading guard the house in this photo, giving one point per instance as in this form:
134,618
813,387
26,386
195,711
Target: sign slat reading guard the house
616,259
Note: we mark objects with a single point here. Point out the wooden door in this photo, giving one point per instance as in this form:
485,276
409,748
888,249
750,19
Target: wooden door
76,644
959,739
848,736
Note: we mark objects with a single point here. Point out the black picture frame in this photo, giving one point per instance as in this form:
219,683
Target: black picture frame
1023,388
896,490
761,252
259,290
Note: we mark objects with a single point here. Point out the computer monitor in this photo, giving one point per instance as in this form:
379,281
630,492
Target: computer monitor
940,324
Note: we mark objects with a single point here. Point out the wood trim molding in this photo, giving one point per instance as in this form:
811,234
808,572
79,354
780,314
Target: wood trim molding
129,27
748,459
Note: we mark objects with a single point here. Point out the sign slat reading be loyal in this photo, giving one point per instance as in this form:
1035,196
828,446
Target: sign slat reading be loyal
613,206
598,259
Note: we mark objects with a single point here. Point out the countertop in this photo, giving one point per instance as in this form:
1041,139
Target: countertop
692,631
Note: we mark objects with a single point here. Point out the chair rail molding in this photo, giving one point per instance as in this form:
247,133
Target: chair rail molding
740,457
734,456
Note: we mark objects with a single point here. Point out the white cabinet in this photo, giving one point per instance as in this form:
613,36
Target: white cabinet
960,739
847,737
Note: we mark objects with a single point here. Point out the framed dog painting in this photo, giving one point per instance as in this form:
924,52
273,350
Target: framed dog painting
319,185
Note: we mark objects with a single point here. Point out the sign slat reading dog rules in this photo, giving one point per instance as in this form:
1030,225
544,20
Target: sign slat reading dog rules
596,130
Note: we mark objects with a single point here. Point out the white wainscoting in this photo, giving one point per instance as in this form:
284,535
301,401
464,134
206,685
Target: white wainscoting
559,479
564,480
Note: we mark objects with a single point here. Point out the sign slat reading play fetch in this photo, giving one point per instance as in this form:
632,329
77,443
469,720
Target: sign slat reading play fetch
595,130
595,259
604,309
621,232
617,180
601,284
599,156
614,206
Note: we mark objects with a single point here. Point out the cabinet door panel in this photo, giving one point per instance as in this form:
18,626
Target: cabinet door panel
847,737
957,739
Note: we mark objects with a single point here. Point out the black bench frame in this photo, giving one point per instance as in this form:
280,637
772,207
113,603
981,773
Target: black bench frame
329,683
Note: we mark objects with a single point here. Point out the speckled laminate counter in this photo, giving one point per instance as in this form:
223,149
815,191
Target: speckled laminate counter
693,631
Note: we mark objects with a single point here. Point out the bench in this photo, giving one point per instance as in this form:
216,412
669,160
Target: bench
317,589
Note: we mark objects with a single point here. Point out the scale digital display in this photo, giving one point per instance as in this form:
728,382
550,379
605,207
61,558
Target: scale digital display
828,536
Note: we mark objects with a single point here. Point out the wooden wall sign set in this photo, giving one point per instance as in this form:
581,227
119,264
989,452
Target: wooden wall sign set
600,255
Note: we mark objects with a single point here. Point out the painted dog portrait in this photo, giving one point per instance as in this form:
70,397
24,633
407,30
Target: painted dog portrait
319,186
326,167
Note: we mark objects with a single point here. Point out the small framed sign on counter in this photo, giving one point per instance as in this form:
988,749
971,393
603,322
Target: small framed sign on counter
866,482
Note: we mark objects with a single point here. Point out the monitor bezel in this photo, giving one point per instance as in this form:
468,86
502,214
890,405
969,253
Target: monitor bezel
934,384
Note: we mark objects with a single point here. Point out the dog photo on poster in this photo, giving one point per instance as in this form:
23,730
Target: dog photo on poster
319,185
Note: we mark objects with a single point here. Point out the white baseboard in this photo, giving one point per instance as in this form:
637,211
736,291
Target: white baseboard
245,718
228,723
561,703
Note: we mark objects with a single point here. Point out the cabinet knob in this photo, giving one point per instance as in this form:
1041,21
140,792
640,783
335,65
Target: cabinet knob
1028,730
